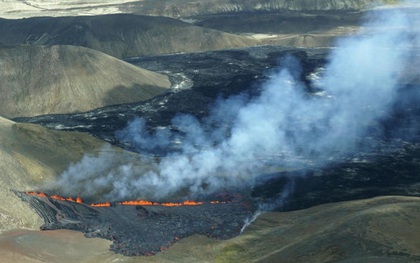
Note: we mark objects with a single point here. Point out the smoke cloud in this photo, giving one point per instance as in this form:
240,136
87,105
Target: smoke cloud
284,125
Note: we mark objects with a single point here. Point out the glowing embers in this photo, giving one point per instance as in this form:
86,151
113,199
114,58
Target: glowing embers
106,204
56,197
128,203
41,194
149,203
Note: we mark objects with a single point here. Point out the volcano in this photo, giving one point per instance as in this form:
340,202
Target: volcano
142,227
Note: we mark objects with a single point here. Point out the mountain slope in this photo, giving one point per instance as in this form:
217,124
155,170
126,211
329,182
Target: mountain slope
182,8
62,79
31,155
119,35
173,8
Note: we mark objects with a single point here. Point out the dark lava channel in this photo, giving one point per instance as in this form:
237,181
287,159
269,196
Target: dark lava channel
388,165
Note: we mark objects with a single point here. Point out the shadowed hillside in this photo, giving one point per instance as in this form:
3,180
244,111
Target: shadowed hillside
62,79
119,35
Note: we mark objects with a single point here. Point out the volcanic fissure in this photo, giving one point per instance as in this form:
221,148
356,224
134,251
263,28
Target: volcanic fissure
141,227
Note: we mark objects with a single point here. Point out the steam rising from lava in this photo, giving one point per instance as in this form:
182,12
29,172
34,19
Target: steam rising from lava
283,124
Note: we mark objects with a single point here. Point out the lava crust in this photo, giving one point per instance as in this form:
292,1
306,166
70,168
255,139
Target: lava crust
142,230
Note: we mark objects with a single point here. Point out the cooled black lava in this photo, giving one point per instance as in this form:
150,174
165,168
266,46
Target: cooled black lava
388,165
143,230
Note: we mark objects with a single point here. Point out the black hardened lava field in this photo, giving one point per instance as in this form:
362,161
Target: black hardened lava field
198,80
387,162
143,227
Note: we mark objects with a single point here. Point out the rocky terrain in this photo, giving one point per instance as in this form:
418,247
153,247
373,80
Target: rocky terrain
383,229
387,168
197,83
62,57
142,230
119,35
32,155
234,24
171,8
181,8
63,79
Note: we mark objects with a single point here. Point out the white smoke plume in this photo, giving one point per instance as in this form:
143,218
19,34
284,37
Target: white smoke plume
272,205
283,124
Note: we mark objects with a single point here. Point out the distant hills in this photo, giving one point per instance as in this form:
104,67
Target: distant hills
61,56
121,35
182,8
39,80
171,8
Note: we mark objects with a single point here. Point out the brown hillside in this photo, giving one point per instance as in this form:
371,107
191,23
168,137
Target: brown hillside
30,155
119,35
172,8
39,80
182,8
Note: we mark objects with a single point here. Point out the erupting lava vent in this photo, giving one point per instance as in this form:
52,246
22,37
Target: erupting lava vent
130,202
142,227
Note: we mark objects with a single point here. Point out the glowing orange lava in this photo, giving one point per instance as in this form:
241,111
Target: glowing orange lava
106,204
189,202
41,194
70,199
57,197
79,200
130,202
149,203
136,202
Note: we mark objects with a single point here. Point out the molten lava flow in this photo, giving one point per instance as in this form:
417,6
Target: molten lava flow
130,202
70,199
106,204
192,203
41,194
136,202
149,203
57,197
142,227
